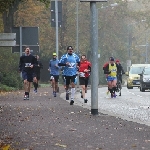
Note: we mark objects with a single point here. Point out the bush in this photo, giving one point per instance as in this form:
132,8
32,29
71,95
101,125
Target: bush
5,88
11,80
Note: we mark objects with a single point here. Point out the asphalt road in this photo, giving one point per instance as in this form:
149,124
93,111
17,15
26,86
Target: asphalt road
48,123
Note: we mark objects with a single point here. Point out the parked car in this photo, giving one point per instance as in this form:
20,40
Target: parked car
133,79
145,79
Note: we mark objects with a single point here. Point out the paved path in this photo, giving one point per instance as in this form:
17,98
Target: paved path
129,106
48,123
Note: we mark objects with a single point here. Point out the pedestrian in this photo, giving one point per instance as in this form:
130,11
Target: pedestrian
70,60
111,70
26,64
120,70
54,73
37,70
84,73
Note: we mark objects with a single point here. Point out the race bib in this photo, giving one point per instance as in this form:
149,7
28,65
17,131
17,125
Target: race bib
71,65
27,64
82,74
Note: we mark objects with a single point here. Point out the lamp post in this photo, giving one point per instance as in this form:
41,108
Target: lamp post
56,18
77,27
77,34
94,53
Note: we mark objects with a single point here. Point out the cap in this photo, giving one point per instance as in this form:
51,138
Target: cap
111,59
117,60
69,48
54,54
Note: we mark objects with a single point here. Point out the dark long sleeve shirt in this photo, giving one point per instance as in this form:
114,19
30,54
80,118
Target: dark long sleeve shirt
25,63
38,67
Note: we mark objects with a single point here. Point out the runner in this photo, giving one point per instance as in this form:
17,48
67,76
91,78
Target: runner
111,71
84,73
70,60
26,64
37,69
54,73
120,70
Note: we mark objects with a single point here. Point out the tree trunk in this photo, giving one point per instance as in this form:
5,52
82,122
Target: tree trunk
8,17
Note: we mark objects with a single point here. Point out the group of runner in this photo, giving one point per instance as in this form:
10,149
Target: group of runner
71,64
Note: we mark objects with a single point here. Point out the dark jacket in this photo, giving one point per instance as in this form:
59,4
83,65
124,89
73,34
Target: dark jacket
25,62
38,67
120,69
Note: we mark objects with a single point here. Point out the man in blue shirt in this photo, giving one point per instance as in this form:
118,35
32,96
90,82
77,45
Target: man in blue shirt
54,73
70,61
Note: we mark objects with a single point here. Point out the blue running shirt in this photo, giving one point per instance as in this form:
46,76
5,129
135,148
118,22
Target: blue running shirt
52,66
70,69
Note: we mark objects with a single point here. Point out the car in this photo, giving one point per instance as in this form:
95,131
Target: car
145,79
133,79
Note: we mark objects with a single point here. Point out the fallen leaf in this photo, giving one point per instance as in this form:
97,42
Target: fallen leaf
72,129
60,145
5,147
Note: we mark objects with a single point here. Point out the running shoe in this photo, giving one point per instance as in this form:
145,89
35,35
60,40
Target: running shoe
54,94
25,97
85,100
112,95
71,102
81,93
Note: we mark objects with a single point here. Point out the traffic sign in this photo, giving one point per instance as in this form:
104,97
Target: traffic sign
30,35
7,43
53,17
7,39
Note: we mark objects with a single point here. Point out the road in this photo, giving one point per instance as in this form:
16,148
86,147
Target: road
132,105
46,122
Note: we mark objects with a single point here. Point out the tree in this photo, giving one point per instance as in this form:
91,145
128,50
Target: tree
8,8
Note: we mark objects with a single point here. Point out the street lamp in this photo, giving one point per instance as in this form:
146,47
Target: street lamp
56,18
77,34
77,26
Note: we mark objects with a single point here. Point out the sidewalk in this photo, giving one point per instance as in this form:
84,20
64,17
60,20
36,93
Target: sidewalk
48,123
122,106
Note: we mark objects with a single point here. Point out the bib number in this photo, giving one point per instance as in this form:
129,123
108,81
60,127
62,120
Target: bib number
82,74
27,64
